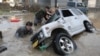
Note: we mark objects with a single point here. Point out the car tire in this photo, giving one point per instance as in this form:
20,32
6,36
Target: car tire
63,44
89,27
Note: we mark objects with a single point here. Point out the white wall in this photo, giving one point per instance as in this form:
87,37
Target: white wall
0,1
92,3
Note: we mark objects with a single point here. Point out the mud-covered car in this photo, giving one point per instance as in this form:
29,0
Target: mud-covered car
60,28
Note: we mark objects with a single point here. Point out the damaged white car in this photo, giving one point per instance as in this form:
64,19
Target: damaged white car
60,28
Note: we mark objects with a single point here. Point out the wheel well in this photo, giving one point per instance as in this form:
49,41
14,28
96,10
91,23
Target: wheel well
59,30
85,21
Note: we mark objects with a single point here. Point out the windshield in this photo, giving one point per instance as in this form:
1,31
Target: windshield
54,17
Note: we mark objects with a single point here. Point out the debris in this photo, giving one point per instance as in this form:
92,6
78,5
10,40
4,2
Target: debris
2,48
14,19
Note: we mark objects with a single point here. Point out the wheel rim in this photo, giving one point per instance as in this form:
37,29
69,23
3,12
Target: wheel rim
66,45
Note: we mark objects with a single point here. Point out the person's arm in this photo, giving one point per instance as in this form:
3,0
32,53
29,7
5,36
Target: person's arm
19,33
46,17
31,31
48,14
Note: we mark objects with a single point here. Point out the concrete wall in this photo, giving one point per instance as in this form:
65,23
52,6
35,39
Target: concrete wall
52,3
98,4
62,3
31,2
24,2
91,3
44,2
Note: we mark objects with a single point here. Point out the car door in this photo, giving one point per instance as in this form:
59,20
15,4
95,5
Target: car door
77,20
71,21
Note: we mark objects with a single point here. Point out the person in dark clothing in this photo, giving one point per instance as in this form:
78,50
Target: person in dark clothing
25,30
43,13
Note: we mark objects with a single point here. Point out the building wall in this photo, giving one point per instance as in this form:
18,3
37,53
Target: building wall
19,2
63,3
92,3
31,2
44,2
24,2
60,3
98,4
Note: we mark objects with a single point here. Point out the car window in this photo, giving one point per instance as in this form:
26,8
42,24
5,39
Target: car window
66,13
80,5
76,12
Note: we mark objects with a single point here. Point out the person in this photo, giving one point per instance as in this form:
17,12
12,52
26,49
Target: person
43,13
24,30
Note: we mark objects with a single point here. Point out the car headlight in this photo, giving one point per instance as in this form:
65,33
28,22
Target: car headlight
41,35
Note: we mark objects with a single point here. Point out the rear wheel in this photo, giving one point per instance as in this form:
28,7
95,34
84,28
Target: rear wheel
89,27
63,44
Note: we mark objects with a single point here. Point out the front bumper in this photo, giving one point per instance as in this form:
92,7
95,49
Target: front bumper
37,39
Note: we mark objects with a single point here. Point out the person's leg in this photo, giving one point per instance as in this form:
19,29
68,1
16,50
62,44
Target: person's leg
40,21
35,22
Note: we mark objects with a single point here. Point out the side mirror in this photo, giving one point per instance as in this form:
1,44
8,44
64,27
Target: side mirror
61,21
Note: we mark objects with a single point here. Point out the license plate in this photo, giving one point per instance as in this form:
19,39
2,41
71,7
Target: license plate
35,44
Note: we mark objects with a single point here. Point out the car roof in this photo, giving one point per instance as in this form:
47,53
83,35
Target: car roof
69,8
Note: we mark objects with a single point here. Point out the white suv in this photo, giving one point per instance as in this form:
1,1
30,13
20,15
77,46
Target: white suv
59,29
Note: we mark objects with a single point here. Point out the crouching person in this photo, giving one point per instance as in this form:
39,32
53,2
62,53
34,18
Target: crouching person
42,14
25,30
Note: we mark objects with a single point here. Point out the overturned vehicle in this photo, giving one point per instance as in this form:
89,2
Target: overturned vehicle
60,28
